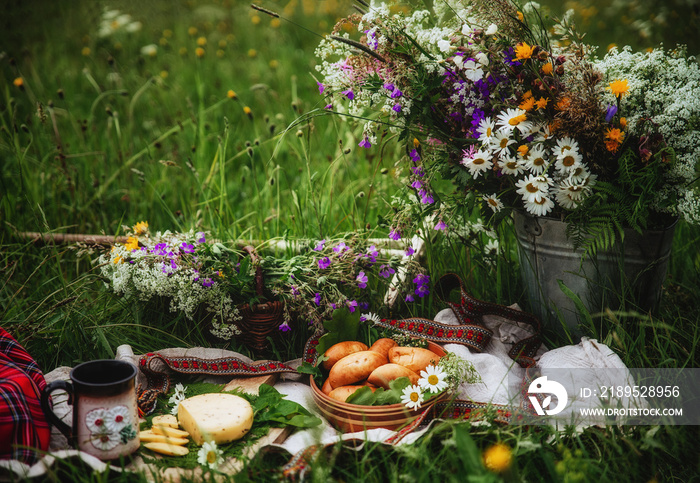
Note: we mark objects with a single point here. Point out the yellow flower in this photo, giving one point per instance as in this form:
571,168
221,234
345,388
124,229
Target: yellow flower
275,23
132,243
140,228
86,51
618,87
255,19
523,51
18,82
274,64
248,112
202,41
563,104
523,150
118,260
498,458
167,33
416,143
521,17
192,31
199,52
547,68
252,53
231,94
623,122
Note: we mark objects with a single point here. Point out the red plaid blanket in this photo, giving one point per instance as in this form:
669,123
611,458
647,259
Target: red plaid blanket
23,426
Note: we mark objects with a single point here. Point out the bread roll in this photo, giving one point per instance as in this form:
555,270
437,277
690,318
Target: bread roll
414,358
383,375
355,367
383,345
340,350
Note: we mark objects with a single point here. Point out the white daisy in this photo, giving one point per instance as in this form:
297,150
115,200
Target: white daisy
539,205
511,165
564,144
210,455
412,397
486,131
433,379
371,316
479,162
491,247
579,174
536,161
569,194
568,160
494,203
513,119
542,133
501,142
532,187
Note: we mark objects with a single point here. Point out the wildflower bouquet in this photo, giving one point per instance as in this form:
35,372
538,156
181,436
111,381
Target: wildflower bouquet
195,274
517,117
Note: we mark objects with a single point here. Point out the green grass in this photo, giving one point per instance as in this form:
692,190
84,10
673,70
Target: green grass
102,136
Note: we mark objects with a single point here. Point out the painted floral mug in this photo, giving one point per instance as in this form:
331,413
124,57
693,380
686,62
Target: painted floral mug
105,411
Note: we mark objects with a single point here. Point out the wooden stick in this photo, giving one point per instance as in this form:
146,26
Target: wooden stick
65,238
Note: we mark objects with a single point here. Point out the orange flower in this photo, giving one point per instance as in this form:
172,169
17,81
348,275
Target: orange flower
611,146
199,52
18,82
547,68
527,104
523,51
618,87
623,122
527,94
231,94
541,103
615,135
523,150
521,17
140,228
563,104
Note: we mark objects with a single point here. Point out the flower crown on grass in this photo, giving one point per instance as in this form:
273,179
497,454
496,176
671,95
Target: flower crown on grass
193,272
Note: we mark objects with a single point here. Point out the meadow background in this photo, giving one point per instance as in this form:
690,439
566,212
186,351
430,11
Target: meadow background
205,115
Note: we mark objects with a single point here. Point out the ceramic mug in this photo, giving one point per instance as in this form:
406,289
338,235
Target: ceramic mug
105,411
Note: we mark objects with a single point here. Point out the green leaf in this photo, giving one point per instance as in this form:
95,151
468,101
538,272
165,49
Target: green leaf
577,302
310,369
271,407
364,396
342,326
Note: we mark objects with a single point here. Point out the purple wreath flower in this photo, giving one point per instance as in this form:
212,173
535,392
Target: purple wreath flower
612,110
324,263
440,225
365,143
395,234
414,155
410,251
321,87
352,305
187,248
409,298
396,108
340,247
329,106
207,282
200,237
349,94
319,245
361,280
284,327
422,291
317,299
372,253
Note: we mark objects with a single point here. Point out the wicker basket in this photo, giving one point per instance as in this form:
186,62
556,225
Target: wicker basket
350,418
260,321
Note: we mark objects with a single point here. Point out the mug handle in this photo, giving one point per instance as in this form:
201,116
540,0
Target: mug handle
48,411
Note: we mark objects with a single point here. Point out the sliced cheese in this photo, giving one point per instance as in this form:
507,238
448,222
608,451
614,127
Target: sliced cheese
167,420
170,432
169,449
151,437
215,417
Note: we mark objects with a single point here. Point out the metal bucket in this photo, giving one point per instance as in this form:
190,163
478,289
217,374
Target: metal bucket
633,271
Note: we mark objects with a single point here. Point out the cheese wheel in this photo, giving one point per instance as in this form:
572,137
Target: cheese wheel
165,420
221,418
